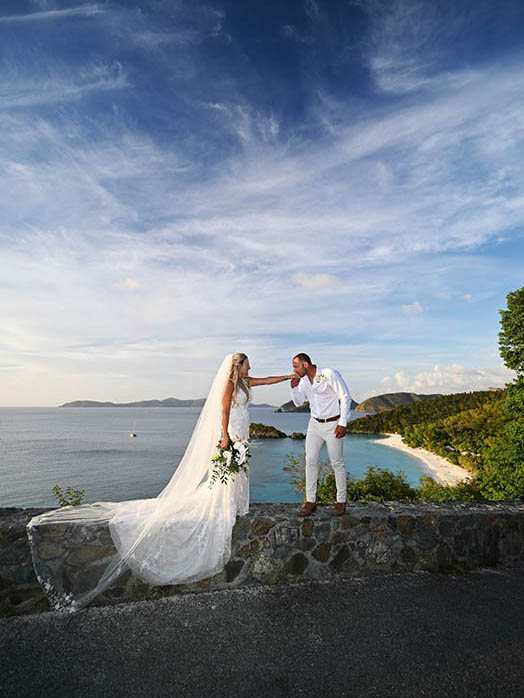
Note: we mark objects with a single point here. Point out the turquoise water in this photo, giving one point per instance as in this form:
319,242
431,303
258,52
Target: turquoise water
90,448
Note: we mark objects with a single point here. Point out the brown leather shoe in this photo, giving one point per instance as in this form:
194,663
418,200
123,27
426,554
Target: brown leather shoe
307,509
339,509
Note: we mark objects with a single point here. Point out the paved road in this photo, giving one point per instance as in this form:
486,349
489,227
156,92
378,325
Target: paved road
399,635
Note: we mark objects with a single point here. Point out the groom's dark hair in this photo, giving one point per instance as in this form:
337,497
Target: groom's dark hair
303,357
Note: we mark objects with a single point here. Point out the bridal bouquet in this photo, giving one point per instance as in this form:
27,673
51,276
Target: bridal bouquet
230,461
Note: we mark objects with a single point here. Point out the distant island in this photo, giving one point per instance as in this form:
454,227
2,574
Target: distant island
380,403
168,402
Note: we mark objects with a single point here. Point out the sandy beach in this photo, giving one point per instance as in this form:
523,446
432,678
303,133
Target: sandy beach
437,467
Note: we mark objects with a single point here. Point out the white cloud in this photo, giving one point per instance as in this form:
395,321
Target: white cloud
127,284
448,379
315,282
468,297
413,308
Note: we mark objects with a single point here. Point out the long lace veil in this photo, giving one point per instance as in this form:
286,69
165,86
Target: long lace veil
181,536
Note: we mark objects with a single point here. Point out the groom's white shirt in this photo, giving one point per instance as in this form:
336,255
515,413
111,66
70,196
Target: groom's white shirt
324,394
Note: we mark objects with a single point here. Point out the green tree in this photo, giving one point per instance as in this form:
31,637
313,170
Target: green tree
511,336
502,476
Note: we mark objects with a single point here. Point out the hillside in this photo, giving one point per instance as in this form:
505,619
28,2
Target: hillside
458,427
424,411
379,403
389,401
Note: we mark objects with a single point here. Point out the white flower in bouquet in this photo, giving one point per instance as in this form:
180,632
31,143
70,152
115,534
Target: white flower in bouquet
242,451
229,461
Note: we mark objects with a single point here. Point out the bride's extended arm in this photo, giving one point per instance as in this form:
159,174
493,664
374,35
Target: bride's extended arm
226,409
269,380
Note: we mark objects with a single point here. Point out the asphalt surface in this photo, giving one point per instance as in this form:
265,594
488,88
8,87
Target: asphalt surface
420,634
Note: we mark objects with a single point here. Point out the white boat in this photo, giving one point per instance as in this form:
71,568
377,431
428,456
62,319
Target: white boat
133,433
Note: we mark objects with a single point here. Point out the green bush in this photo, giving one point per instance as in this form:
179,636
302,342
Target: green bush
378,485
432,491
70,497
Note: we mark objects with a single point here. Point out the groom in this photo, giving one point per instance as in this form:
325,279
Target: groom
330,404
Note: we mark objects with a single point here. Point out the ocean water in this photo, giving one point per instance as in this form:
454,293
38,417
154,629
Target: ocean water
90,449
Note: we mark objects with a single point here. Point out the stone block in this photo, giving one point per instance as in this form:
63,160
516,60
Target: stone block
338,537
261,526
340,559
50,549
296,564
425,539
348,521
406,524
89,553
322,552
241,528
249,549
46,530
307,528
284,534
323,531
267,568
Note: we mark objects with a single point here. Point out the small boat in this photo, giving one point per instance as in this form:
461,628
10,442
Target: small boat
133,433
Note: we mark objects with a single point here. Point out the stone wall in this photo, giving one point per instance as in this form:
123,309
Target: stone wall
273,545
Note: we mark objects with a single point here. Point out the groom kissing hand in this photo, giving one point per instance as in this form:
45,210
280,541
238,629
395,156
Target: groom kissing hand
330,405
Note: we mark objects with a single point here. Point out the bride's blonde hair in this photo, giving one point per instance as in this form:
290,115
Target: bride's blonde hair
237,362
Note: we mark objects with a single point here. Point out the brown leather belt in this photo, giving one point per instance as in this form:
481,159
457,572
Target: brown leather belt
329,419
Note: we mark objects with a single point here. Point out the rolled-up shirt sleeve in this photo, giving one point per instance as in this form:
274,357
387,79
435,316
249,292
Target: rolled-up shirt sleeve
298,395
339,386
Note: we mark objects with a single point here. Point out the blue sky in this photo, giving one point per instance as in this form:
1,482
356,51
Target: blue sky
185,179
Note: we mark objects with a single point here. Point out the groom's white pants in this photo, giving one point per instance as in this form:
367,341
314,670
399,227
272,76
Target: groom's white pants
317,434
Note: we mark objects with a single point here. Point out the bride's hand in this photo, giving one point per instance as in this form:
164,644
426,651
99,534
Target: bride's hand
225,442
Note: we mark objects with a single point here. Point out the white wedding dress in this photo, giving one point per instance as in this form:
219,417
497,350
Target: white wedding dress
181,536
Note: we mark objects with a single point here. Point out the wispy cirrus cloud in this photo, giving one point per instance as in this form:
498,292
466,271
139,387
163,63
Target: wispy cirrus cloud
85,10
189,204
409,42
55,87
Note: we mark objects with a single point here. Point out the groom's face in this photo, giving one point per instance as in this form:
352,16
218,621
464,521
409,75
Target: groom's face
299,367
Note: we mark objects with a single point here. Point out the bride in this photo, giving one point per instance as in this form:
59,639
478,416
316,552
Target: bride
181,536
